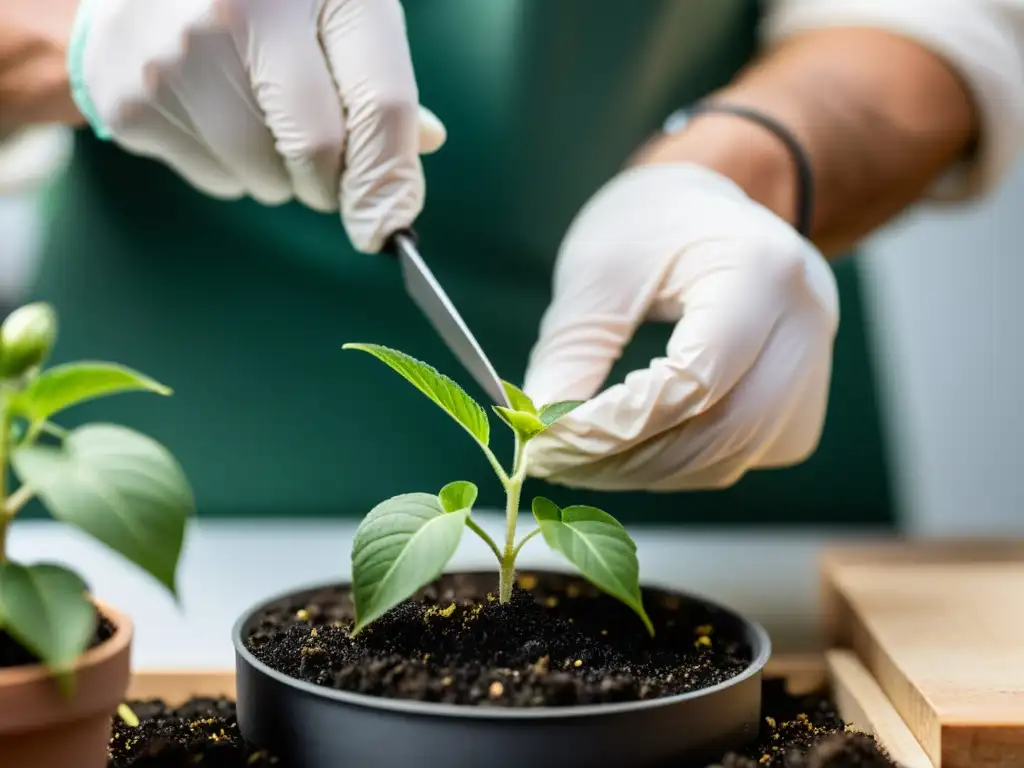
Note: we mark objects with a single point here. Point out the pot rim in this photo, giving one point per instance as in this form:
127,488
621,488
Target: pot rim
28,674
431,709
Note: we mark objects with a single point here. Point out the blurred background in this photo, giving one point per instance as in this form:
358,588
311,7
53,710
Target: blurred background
942,300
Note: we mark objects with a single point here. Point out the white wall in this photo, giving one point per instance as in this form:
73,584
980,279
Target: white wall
30,157
946,289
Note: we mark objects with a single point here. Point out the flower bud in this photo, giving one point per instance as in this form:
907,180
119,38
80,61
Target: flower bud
26,337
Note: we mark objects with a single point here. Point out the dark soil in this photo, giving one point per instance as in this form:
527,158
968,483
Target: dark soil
558,642
203,732
805,732
796,732
13,655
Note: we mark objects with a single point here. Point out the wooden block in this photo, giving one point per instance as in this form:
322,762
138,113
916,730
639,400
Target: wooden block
939,627
178,686
802,672
863,705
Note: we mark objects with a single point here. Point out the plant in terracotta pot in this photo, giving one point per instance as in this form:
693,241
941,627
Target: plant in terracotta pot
407,664
64,655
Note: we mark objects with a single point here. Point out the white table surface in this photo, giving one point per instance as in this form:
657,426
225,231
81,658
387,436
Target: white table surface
227,566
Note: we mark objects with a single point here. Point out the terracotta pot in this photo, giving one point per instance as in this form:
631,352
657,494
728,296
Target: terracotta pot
40,728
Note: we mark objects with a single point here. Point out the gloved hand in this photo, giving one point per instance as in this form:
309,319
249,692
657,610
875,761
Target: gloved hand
307,99
744,381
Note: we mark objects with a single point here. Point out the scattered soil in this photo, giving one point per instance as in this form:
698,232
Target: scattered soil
13,655
202,732
796,732
558,642
805,732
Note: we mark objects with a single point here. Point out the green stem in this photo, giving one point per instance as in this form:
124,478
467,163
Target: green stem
5,436
17,500
498,469
525,539
47,427
475,528
513,488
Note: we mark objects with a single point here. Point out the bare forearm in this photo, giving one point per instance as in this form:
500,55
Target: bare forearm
33,77
879,116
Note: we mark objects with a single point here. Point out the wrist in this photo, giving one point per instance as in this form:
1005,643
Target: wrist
34,87
747,153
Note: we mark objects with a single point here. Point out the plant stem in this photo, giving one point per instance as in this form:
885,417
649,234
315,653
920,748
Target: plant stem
498,469
513,488
475,528
17,500
525,539
5,434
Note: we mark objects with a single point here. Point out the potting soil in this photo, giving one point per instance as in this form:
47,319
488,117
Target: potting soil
13,655
796,732
552,645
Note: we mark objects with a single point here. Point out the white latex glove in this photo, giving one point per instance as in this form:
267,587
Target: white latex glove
307,99
744,382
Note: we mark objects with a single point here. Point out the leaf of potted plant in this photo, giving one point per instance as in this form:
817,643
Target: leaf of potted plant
64,655
409,665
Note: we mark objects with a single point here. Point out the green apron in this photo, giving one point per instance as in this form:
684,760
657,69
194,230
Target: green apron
243,309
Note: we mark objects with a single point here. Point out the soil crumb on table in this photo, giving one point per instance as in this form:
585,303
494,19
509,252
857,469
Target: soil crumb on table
13,655
559,643
202,732
805,732
802,732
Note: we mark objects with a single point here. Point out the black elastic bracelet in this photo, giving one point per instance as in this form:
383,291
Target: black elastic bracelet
804,176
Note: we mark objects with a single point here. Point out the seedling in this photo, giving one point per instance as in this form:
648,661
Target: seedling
118,486
405,542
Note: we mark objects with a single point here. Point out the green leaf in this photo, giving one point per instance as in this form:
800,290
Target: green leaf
546,510
520,400
65,385
435,385
526,425
26,336
458,495
402,545
119,486
46,610
552,412
599,547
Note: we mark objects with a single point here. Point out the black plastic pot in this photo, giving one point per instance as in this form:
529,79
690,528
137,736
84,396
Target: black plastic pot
311,726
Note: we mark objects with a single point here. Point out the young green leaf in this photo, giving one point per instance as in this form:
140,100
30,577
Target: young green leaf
445,393
458,495
598,545
526,425
65,385
26,336
46,610
520,400
119,486
402,545
552,412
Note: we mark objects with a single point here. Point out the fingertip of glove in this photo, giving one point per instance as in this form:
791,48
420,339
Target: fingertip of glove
433,133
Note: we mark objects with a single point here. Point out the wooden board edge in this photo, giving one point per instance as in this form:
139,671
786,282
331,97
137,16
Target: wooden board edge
909,702
862,703
176,686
